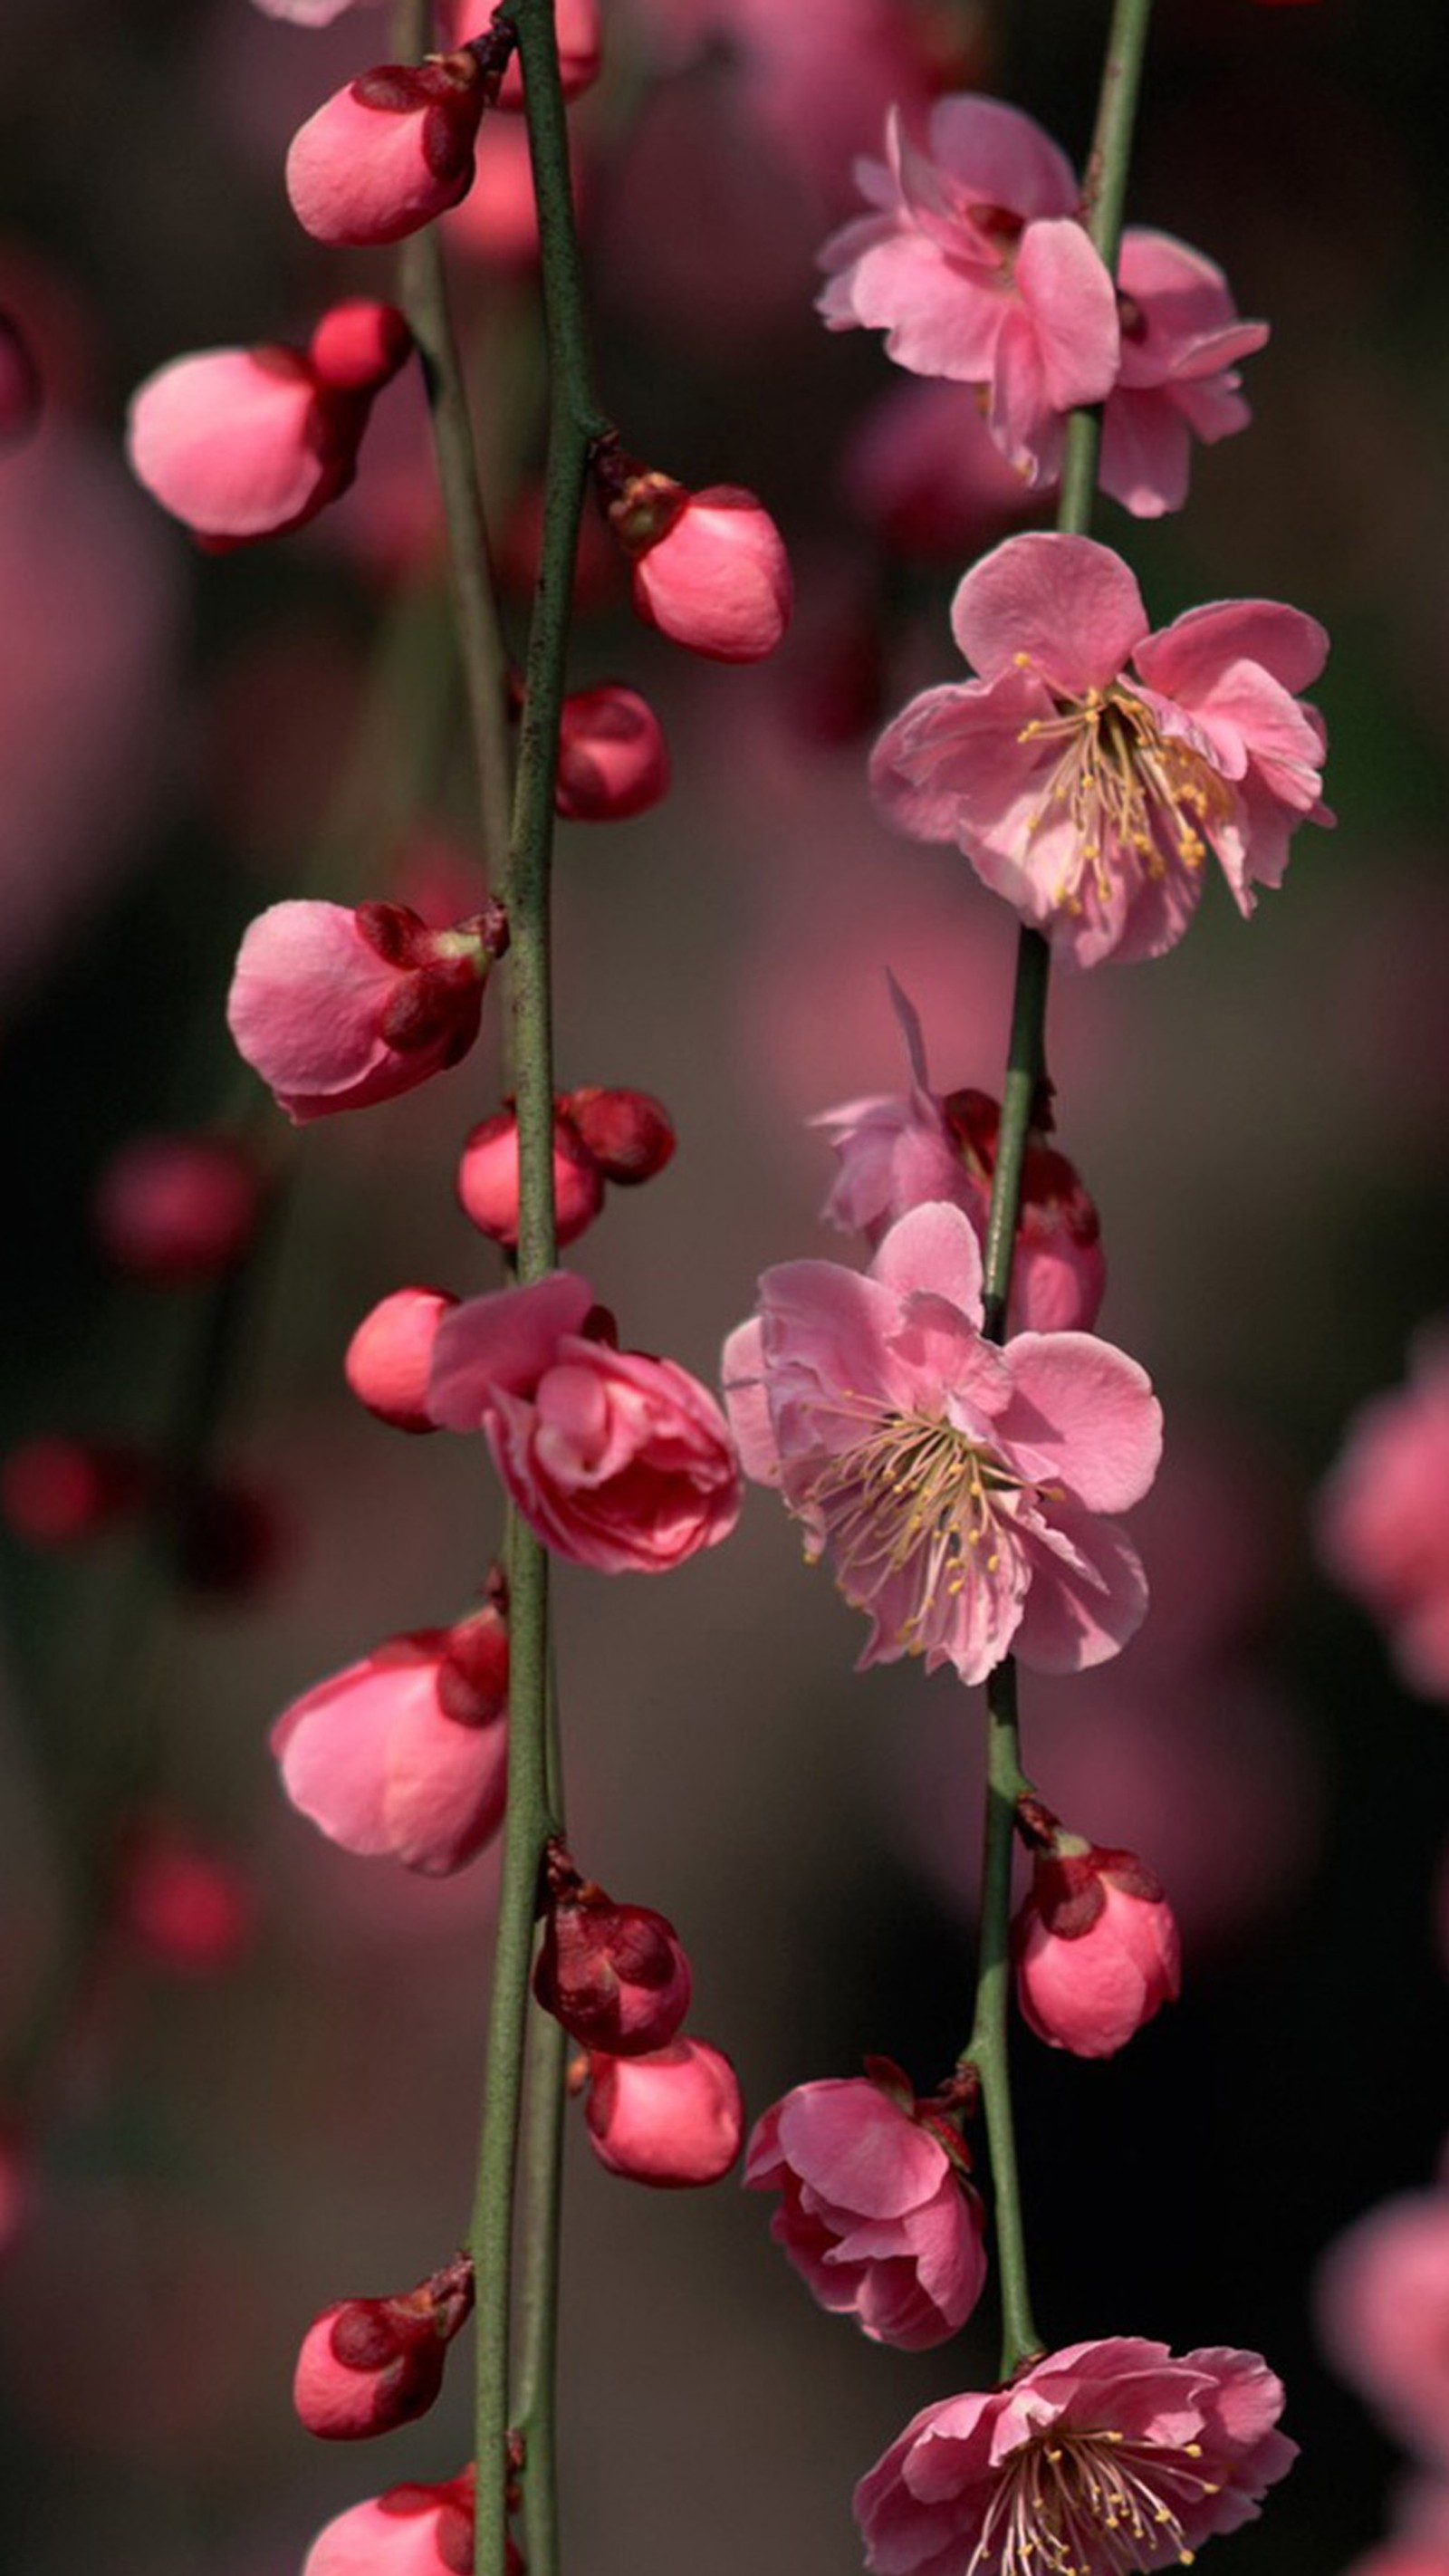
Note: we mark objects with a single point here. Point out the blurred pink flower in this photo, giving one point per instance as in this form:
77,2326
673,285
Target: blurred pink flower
1087,792
389,153
976,268
876,2214
406,1751
922,469
618,1460
673,2118
1111,2454
190,1907
22,392
1383,1515
1181,341
956,1484
1383,2316
613,761
173,1210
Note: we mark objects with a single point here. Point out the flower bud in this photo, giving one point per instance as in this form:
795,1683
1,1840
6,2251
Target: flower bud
407,2531
58,1492
367,2365
21,392
488,1179
613,760
710,568
358,346
391,1353
615,1975
673,2118
1095,1945
172,1210
388,153
629,1134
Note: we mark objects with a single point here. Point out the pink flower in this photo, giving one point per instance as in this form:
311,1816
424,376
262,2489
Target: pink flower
613,760
618,1460
1095,1946
173,1210
1092,765
390,1356
1106,2455
1181,342
629,1133
190,1908
337,1008
488,1179
710,568
896,1152
673,2118
407,2531
367,2365
876,2215
976,268
390,152
59,1492
921,468
247,443
1383,1516
955,1485
406,1752
616,1976
1383,2314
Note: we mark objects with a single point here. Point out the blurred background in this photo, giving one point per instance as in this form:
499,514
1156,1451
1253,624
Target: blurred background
241,2069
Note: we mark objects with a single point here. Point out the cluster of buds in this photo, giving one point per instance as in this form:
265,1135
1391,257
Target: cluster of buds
59,1491
598,1136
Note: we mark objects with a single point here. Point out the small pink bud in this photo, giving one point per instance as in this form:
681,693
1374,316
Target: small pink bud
190,1908
488,1179
337,1009
710,568
615,1975
1095,1945
613,760
172,1210
388,153
57,1492
629,1134
367,2365
359,345
673,2118
576,24
21,393
391,1353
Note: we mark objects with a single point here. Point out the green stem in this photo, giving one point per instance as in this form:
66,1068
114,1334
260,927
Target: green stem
574,424
1025,1090
533,2410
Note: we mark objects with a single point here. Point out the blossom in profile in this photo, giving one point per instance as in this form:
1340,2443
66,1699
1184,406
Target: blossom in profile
1105,2456
405,1752
1383,2316
1383,1515
410,2530
339,1007
390,152
896,1150
673,2118
175,1210
1182,339
957,1486
709,568
367,2365
248,443
975,265
1095,1946
875,2213
616,1459
1091,766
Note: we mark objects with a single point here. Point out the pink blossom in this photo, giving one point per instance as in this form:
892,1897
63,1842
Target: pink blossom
247,443
922,469
1091,766
390,1356
305,13
406,2531
897,1151
405,1752
616,1976
955,1484
337,1008
673,2118
191,1908
1106,2455
1383,2314
975,266
578,35
710,568
1095,1946
876,2214
618,1460
1383,1515
1181,342
613,760
59,1492
390,152
488,1179
367,2365
173,1210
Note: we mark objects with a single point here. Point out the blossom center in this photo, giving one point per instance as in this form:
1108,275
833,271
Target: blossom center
915,1496
1090,2504
1134,794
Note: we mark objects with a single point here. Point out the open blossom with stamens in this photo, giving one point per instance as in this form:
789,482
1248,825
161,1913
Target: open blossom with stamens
1098,2460
976,268
955,1484
1089,769
898,1150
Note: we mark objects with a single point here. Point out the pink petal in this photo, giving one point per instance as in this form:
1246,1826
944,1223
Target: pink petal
747,1403
333,1747
501,1343
1019,416
857,2150
1146,457
1070,1621
1083,1414
307,999
224,439
938,319
1001,156
1067,292
1064,607
1186,659
933,1248
953,765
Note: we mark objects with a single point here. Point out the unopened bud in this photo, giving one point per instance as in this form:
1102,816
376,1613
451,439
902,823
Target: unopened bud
612,757
629,1134
673,2119
391,1353
710,568
389,153
369,2364
616,1976
488,1179
1095,1943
